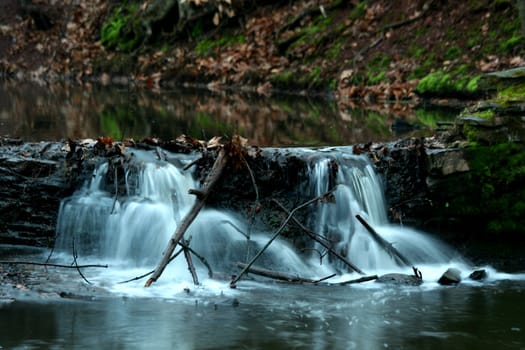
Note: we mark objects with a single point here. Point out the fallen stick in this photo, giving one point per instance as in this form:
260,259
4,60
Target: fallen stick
358,280
281,276
387,246
201,196
189,261
51,265
315,237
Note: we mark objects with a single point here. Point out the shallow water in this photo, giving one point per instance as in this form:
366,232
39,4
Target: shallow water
59,310
277,316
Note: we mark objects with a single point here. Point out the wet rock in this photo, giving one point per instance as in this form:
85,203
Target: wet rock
446,162
400,279
450,277
478,275
33,180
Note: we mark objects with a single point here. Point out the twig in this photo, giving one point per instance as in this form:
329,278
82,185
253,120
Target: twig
281,276
324,278
235,227
76,264
314,236
51,265
387,246
200,257
255,206
192,163
189,261
283,225
116,192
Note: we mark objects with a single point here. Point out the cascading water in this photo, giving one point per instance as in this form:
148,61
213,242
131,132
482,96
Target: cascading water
359,191
134,229
131,230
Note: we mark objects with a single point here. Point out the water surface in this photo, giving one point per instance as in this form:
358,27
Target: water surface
37,113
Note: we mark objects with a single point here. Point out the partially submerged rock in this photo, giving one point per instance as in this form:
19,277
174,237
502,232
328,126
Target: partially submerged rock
450,277
400,279
478,275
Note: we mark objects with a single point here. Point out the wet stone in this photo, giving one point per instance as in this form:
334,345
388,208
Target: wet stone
450,277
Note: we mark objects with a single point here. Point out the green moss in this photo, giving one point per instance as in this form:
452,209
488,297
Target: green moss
512,93
437,83
452,53
377,69
487,114
206,47
313,34
359,10
313,80
510,44
441,83
282,79
334,50
497,175
119,30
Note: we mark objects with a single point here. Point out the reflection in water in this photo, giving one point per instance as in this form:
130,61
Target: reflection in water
56,112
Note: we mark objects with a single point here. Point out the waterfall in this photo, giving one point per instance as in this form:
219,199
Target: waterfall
135,228
132,225
359,191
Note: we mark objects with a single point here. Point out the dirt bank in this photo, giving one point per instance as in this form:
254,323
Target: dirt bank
368,49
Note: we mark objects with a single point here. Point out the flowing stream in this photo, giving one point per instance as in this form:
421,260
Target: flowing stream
130,233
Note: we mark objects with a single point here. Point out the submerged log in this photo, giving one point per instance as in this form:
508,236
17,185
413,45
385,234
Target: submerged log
202,195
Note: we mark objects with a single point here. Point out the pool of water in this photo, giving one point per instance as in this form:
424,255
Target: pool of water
52,308
275,316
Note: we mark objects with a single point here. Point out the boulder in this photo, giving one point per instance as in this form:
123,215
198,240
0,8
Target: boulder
478,275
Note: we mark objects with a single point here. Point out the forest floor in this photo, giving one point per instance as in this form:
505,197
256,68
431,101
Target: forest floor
373,50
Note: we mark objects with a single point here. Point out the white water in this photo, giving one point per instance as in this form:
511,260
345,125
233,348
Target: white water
131,232
359,191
